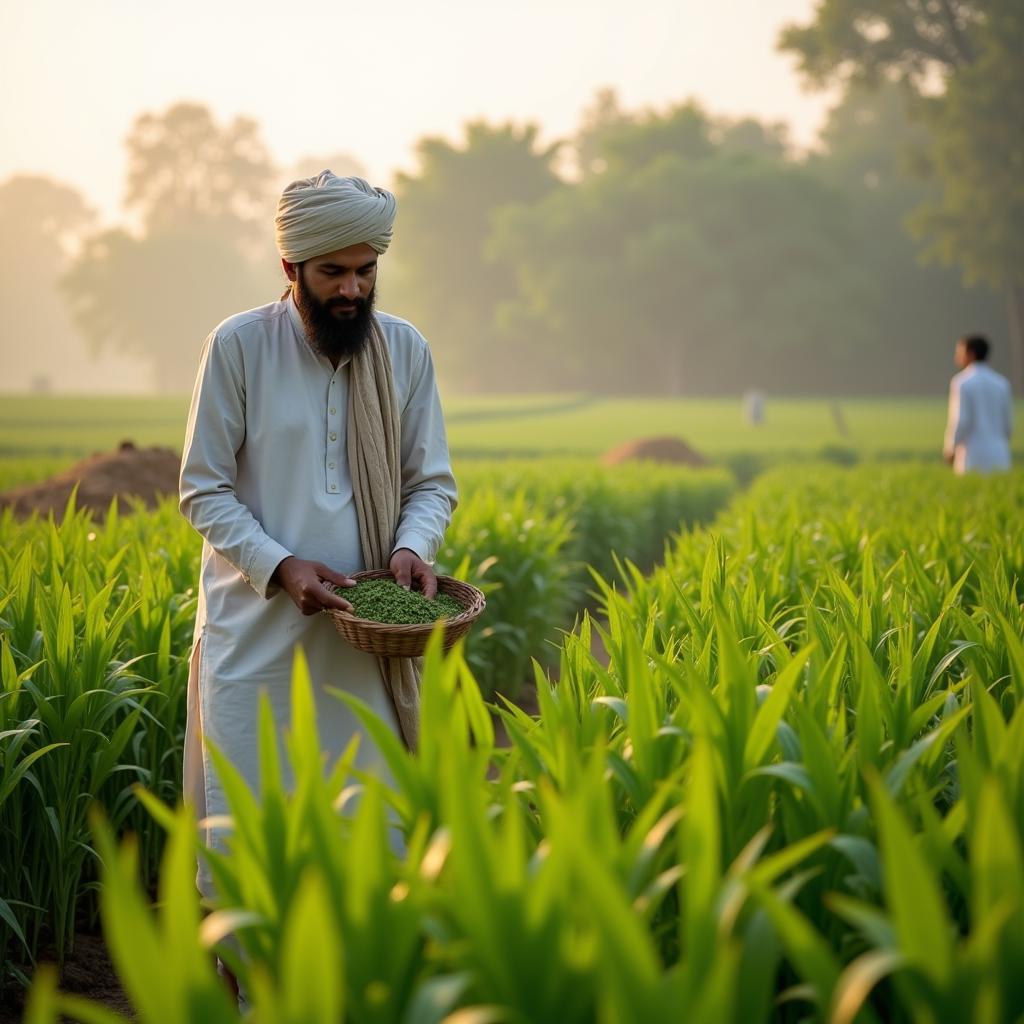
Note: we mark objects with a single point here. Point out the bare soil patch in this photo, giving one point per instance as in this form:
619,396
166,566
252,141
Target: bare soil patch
87,972
654,449
148,474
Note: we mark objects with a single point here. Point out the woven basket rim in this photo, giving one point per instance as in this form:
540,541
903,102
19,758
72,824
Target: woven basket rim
472,610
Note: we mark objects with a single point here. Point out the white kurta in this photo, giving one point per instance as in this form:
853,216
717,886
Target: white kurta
264,476
980,420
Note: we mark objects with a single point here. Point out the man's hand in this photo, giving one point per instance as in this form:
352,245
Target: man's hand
310,585
406,566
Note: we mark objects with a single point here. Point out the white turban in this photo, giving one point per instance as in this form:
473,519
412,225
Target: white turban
326,213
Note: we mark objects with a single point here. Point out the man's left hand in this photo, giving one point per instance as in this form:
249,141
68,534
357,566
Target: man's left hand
407,567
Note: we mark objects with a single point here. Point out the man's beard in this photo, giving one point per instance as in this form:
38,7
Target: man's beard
330,335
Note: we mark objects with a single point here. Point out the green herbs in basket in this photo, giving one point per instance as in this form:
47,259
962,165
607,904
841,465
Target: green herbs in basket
385,601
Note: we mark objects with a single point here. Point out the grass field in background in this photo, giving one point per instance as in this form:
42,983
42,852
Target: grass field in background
56,428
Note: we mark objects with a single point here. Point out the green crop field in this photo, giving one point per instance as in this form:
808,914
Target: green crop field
786,784
67,428
793,789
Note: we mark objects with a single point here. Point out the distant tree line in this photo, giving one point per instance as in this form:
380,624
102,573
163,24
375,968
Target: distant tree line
659,251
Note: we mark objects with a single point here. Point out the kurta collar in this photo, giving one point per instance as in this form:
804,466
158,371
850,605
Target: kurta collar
300,329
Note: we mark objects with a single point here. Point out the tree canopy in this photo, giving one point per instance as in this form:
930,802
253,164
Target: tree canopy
664,251
201,192
867,40
41,222
965,61
439,270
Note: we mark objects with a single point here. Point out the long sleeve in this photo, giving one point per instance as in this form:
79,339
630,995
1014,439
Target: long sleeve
429,494
964,423
952,418
1008,412
215,433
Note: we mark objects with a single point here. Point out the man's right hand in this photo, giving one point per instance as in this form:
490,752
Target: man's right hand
311,585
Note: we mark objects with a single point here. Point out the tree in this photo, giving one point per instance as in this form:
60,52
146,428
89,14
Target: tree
184,169
977,221
160,295
747,135
604,114
920,308
964,57
691,276
442,276
615,141
201,192
912,41
42,223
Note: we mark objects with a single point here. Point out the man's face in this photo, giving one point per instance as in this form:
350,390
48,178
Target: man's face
962,357
334,294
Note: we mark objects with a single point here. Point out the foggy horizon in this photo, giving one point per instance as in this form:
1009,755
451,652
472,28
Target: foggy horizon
117,67
757,228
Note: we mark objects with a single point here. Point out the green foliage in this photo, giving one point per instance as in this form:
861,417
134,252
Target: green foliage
690,253
118,280
795,792
684,274
530,533
854,39
973,50
200,190
521,426
184,167
95,628
876,142
979,219
441,276
631,143
41,222
96,624
678,251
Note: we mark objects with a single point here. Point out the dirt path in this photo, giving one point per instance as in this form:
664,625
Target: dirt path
88,972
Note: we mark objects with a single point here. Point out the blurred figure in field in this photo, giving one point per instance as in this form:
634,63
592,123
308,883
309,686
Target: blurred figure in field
980,409
753,408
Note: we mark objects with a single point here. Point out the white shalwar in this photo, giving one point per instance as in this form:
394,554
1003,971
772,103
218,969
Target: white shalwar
980,420
265,475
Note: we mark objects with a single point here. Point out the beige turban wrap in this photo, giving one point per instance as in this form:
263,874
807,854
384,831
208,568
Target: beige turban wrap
326,213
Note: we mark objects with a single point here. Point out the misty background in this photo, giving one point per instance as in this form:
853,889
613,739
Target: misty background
667,249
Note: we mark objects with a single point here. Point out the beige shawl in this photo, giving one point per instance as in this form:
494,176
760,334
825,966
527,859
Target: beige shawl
374,456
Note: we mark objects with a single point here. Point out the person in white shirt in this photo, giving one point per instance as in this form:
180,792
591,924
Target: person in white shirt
980,412
315,448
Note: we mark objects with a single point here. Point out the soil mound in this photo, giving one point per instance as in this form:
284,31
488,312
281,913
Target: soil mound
145,473
654,449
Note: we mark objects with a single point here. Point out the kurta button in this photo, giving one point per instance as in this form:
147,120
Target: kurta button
334,487
333,411
330,465
334,437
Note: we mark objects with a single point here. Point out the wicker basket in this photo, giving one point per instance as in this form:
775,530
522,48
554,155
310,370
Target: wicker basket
408,641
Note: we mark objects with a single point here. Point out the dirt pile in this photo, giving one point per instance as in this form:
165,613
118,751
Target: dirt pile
654,449
146,473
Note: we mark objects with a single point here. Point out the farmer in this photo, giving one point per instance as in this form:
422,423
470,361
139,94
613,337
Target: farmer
980,411
315,448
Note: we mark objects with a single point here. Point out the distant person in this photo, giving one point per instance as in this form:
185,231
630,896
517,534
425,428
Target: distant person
753,408
980,411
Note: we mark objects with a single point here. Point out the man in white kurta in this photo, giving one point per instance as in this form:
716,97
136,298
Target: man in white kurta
265,480
980,417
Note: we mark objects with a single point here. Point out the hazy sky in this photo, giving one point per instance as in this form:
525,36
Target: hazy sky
369,78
